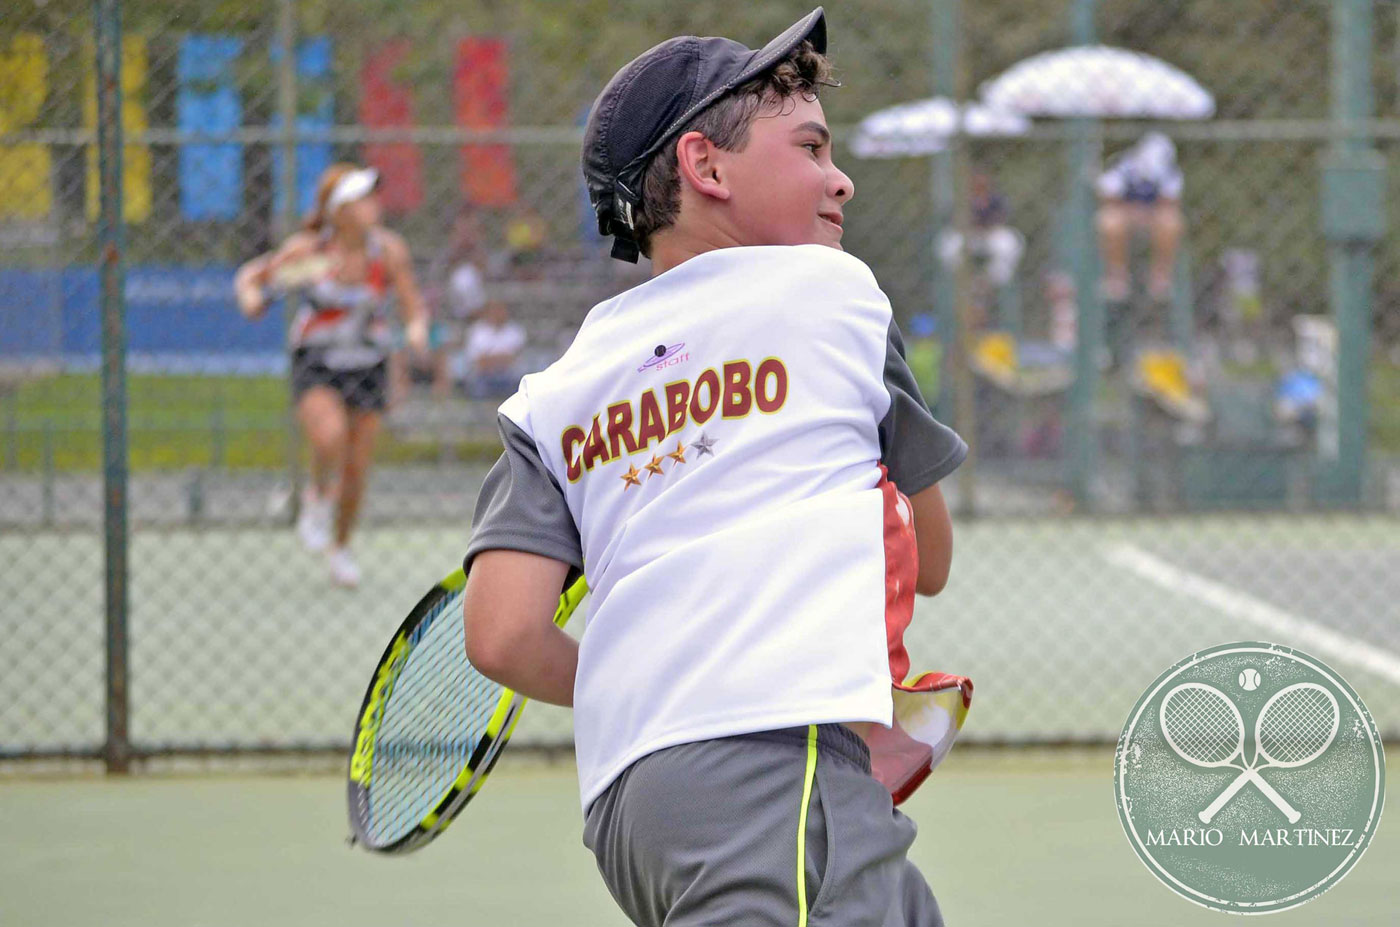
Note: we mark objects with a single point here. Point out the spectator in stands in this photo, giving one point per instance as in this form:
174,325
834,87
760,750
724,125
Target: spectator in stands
492,355
993,238
1140,191
459,293
526,233
995,246
342,271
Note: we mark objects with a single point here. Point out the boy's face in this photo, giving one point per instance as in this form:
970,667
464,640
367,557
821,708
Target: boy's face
784,188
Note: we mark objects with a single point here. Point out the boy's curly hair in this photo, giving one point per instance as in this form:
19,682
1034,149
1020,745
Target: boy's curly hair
726,123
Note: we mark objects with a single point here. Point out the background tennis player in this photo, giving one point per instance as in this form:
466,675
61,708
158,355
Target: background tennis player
344,269
737,454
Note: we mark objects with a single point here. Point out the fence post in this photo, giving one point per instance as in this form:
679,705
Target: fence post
1353,219
11,427
287,219
1081,433
108,40
944,298
46,468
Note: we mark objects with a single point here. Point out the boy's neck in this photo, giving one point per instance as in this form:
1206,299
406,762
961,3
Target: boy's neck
676,245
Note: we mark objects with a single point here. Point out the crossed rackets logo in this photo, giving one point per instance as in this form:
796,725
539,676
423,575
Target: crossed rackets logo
1205,728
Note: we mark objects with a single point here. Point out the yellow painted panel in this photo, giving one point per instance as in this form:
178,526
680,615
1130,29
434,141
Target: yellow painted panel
136,159
26,169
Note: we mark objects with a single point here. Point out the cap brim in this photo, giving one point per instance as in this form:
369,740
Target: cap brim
811,27
353,186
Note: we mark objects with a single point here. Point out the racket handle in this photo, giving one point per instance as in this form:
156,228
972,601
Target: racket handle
1223,798
1279,801
1250,775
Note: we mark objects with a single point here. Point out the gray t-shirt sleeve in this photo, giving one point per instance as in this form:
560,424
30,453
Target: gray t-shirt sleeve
915,447
522,507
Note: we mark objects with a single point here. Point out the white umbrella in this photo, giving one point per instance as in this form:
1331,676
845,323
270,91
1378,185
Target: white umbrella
924,127
1098,82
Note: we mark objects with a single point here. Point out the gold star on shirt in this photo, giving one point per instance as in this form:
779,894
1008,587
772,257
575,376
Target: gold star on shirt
630,478
678,455
655,466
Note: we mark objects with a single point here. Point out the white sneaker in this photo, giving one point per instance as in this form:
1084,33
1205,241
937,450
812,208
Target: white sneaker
314,522
344,571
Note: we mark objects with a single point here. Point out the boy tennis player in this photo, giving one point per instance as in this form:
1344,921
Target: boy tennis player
719,450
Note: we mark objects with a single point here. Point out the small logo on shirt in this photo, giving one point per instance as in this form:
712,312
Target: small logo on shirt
665,356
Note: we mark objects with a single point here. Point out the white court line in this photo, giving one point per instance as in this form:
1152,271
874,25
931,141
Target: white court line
1291,629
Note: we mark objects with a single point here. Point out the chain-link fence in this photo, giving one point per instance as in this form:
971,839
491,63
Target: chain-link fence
1165,315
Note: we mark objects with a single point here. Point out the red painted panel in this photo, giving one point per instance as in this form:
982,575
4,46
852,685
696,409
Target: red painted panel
387,103
480,93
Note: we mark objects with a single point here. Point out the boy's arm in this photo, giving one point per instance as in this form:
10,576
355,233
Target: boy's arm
918,451
524,549
511,598
933,532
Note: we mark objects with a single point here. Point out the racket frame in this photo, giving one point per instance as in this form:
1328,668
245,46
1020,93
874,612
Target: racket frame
1251,773
1247,772
509,706
296,273
1171,741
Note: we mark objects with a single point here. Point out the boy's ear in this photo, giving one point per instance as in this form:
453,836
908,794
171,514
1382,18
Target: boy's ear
699,166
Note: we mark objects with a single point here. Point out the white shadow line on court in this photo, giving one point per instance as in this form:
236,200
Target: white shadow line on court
1293,630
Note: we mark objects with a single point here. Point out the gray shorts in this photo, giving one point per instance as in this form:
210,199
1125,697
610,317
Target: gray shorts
708,833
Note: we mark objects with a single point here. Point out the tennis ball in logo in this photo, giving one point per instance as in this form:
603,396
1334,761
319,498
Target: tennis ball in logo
1249,778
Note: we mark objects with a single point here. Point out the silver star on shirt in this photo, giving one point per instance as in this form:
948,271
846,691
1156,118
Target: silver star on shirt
702,446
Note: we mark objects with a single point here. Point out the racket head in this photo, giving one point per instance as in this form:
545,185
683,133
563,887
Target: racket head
300,272
430,727
1297,725
1202,724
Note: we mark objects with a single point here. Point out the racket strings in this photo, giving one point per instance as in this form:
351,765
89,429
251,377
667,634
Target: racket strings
1297,727
433,721
1202,726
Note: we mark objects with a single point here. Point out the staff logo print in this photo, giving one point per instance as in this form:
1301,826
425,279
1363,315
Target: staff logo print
1250,778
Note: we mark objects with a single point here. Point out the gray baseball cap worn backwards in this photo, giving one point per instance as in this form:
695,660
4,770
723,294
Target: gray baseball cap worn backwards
646,103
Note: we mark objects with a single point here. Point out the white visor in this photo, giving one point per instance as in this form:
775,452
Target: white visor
353,186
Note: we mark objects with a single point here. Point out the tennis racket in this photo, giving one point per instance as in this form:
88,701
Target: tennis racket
1295,726
430,728
1205,729
298,272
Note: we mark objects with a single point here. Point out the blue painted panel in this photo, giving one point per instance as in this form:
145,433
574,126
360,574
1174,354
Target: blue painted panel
315,110
171,312
31,313
211,174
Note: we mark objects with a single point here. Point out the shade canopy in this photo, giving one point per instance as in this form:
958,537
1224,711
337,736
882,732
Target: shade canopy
1098,82
924,127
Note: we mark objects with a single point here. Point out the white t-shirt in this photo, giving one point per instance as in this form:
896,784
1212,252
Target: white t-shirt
466,291
484,338
713,451
1144,172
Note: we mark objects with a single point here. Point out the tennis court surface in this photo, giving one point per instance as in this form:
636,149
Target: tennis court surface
1019,837
1061,624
